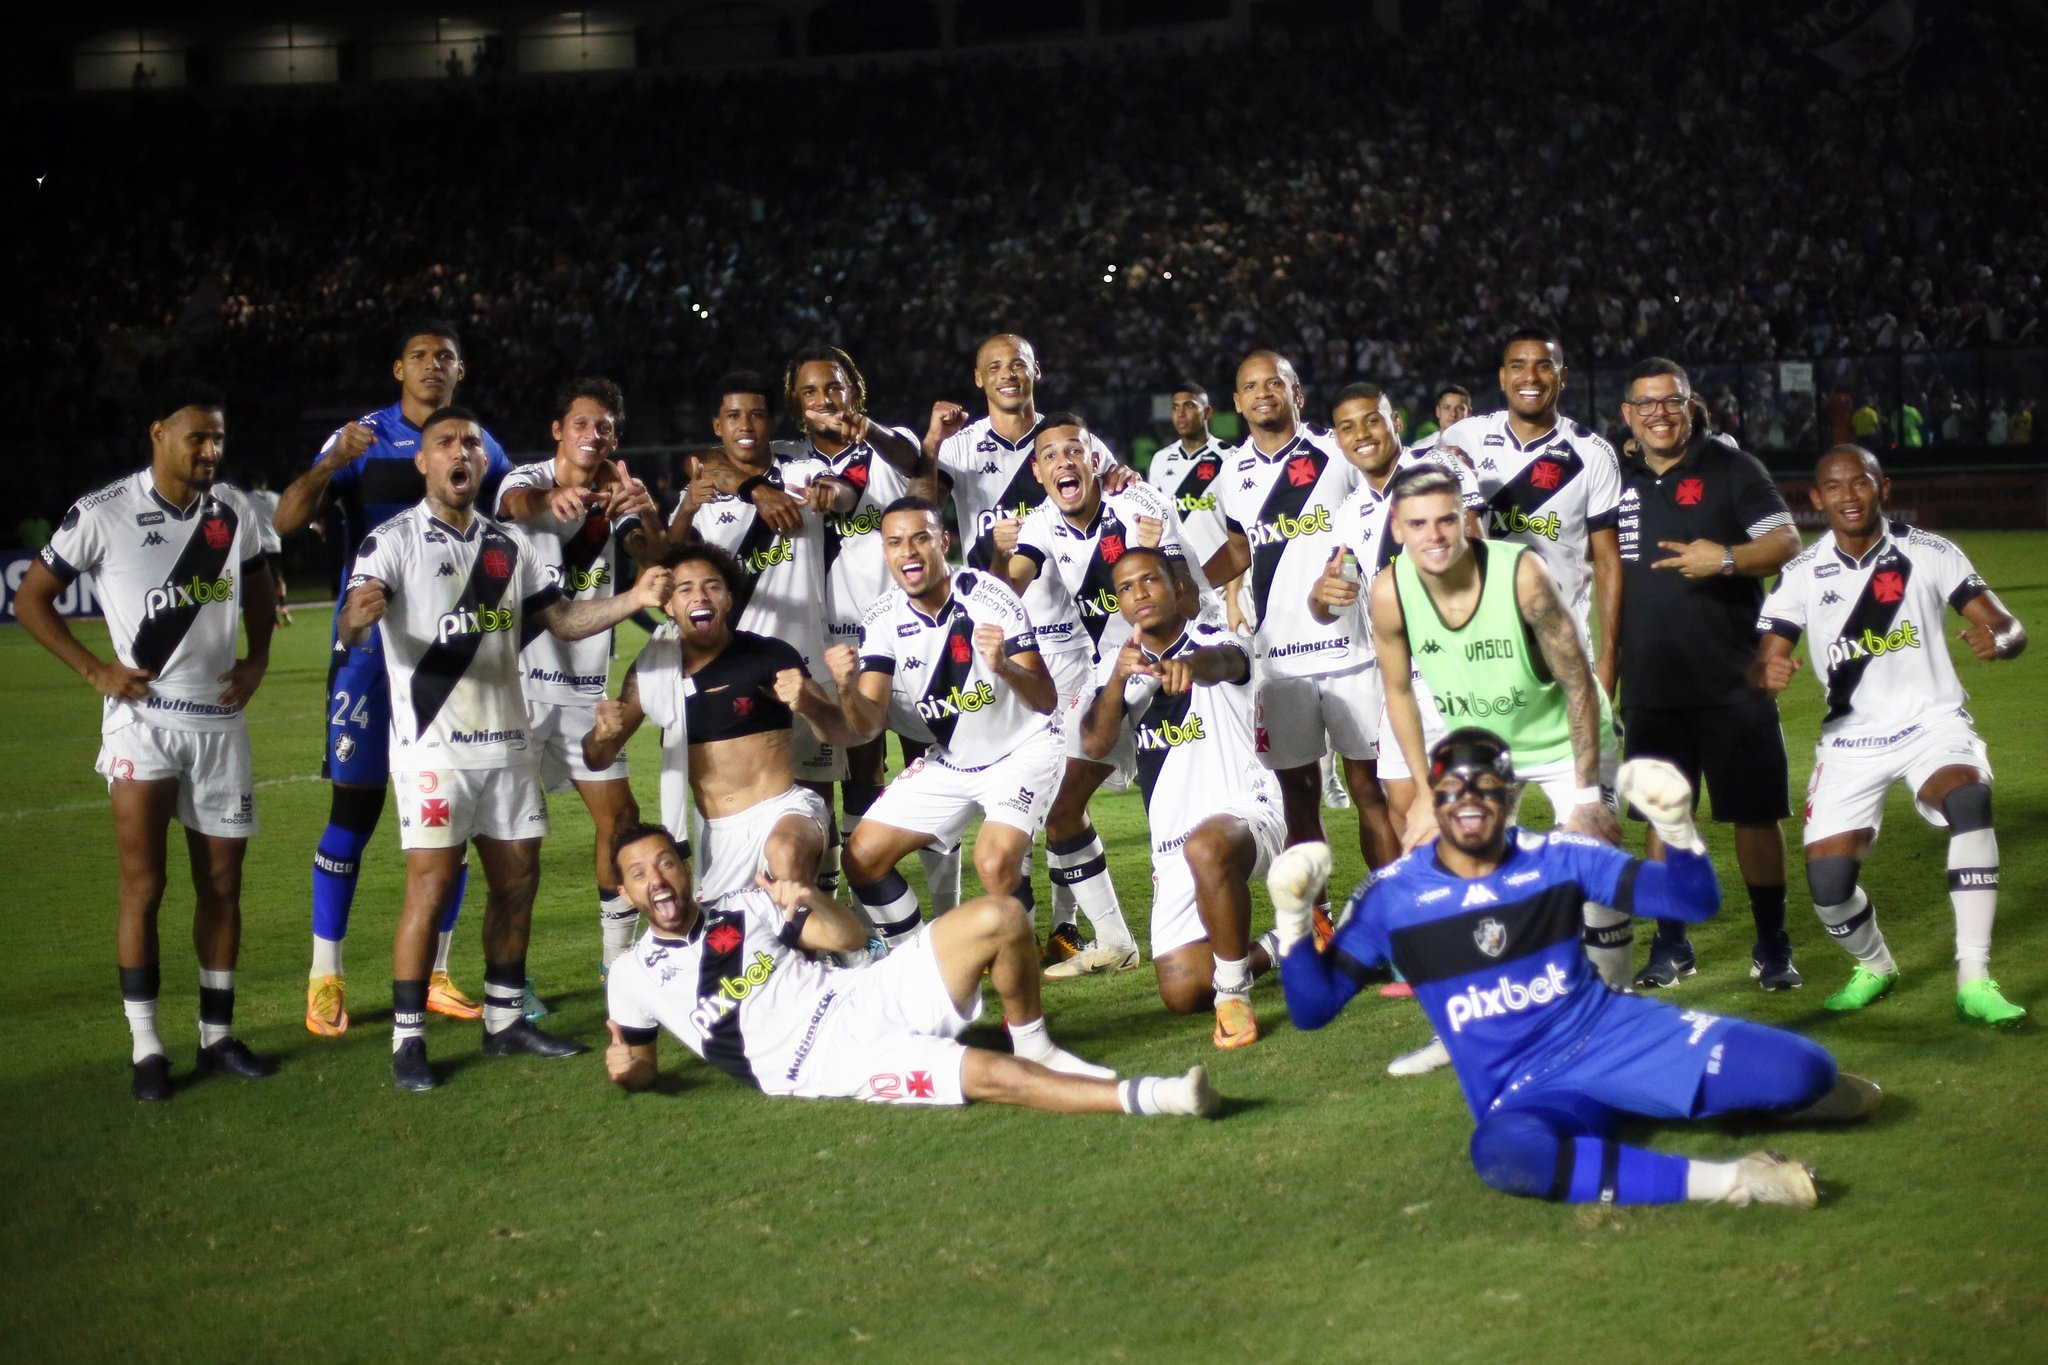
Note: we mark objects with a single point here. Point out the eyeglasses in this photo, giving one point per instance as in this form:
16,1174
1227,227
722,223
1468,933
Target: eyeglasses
1674,405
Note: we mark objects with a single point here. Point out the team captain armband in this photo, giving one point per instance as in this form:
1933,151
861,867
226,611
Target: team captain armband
792,931
637,1037
1771,625
1020,644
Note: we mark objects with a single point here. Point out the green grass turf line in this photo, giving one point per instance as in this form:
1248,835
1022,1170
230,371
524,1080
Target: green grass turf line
526,1211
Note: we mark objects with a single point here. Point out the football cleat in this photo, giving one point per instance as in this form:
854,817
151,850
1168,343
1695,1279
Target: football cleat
1096,958
326,1007
445,997
521,1038
1669,962
1865,988
1236,1024
1321,927
151,1079
1852,1098
531,1006
1772,969
409,1066
232,1056
1980,1002
1431,1056
1397,990
1062,943
1772,1178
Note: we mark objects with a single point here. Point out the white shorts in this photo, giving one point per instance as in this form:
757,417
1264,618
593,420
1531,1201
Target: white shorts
447,807
1393,764
893,1035
933,797
732,848
1560,779
1073,683
1176,922
1849,782
216,786
556,729
811,759
1294,715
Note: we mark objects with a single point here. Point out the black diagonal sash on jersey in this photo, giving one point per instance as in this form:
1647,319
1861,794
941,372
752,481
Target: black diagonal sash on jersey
445,661
948,676
1287,498
201,561
724,1046
759,539
1193,484
1521,493
1095,597
857,471
1166,709
1024,493
1868,614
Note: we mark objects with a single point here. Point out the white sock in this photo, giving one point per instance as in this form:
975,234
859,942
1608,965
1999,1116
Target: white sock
441,945
1853,924
1066,1063
326,957
209,1034
619,924
142,1038
504,1006
941,878
1610,942
1709,1182
1233,976
1030,1041
1973,891
1270,941
1156,1095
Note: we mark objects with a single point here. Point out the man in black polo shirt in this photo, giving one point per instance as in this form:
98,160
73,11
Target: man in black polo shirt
1702,526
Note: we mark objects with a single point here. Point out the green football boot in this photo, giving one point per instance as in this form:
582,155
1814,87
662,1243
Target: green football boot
1864,988
1980,1002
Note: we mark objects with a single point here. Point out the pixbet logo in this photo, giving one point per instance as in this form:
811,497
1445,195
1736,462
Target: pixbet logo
866,522
1101,602
1513,521
482,621
583,580
1284,527
781,552
1872,645
732,990
1463,704
197,593
956,702
1510,997
1167,735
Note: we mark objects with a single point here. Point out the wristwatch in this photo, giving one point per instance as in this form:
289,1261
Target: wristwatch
1727,560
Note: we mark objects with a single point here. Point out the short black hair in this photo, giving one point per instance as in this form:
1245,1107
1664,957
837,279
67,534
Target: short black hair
741,381
175,395
428,327
598,390
730,570
1063,418
450,412
827,355
1542,334
1458,389
912,503
1371,393
1189,386
1655,366
627,835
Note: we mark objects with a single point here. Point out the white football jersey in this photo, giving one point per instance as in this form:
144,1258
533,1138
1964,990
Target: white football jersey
264,501
785,599
1186,478
937,678
1076,564
736,990
1550,495
170,581
1198,751
583,560
664,691
856,574
992,481
1878,627
1363,522
1285,505
459,601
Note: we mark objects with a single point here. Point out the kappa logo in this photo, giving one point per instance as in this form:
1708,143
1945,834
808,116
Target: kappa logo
991,467
1431,647
1489,466
1477,894
727,518
912,665
1491,936
1831,598
446,570
1248,485
153,539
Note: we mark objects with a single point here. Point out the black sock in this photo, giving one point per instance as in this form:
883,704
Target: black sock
1767,908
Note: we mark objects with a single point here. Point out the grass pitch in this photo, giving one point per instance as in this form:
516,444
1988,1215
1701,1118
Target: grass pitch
527,1211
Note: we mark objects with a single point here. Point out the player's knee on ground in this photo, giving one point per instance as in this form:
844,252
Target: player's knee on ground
1832,880
1968,808
1521,1153
1187,978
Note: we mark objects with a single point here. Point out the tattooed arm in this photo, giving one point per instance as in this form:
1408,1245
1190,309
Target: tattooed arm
1558,637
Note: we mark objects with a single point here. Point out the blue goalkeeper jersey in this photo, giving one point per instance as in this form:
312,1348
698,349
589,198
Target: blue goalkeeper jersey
1497,961
383,481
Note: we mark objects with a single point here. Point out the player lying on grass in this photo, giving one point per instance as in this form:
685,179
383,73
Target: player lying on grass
736,981
1182,690
1874,596
1485,922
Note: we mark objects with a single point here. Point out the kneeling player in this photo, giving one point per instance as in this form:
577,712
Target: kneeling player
734,980
1183,688
1876,594
1484,921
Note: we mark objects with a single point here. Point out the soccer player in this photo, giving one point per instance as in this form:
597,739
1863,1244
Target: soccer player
874,464
1550,484
1484,921
1181,692
456,591
745,693
1701,526
578,511
1184,469
738,981
264,501
1068,545
948,656
1453,405
178,559
367,472
1316,690
1873,596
